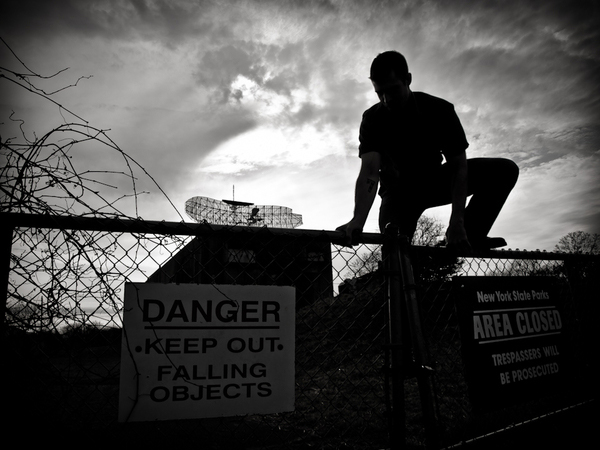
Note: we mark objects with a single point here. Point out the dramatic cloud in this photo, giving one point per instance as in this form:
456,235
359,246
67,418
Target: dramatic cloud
268,95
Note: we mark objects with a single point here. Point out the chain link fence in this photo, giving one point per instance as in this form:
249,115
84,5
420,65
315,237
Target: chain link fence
575,279
63,314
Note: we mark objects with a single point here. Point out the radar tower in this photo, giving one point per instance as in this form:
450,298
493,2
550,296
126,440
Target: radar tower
232,212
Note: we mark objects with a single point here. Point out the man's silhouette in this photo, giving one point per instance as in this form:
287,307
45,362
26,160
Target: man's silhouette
402,141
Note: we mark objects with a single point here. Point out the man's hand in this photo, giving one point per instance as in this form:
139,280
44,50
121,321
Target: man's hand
456,235
352,232
456,238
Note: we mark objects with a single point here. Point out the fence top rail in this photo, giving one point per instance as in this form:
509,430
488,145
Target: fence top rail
127,225
508,254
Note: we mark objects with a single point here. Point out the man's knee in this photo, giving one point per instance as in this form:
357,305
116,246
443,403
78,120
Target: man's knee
500,171
510,171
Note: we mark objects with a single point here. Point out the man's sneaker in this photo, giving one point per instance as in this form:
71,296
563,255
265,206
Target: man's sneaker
487,243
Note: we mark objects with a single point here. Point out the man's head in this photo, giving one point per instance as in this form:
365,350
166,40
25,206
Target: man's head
386,62
391,79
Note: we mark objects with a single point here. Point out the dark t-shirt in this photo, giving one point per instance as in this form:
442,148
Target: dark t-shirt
411,144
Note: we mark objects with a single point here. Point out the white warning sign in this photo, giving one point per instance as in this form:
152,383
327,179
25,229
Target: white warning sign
194,351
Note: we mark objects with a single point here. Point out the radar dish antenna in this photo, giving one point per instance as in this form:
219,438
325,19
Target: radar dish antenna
232,212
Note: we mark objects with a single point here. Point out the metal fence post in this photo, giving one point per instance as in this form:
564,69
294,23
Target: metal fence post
421,353
397,420
5,252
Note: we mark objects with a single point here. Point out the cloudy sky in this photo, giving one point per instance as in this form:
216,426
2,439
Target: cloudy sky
267,96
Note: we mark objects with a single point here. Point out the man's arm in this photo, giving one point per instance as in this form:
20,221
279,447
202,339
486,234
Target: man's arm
456,234
364,194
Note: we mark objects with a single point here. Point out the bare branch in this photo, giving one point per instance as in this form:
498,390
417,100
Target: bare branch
54,272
